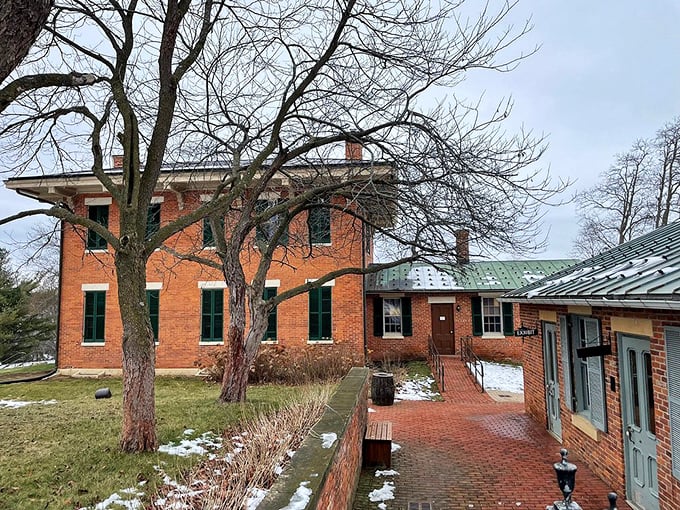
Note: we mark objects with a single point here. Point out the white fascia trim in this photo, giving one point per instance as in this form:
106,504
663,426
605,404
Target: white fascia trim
272,283
157,200
654,304
98,201
330,283
154,285
85,287
216,284
441,299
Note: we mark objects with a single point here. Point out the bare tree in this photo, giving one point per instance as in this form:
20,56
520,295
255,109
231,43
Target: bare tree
265,92
667,177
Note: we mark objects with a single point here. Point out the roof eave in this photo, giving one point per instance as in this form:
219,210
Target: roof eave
665,303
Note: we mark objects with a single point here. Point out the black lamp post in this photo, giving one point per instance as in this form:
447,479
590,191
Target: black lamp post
566,479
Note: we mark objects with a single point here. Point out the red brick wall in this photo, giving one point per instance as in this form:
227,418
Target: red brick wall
180,305
499,349
605,457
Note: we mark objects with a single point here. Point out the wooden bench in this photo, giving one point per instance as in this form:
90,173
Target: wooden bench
378,444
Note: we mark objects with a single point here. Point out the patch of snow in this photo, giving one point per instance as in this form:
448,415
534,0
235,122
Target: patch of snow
129,500
503,377
300,499
255,497
328,439
15,404
416,389
386,472
197,446
382,506
188,432
384,494
395,447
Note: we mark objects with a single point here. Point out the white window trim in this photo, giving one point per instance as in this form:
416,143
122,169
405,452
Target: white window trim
213,284
330,283
441,299
93,287
89,250
401,317
393,335
272,283
269,342
93,344
202,342
322,244
492,334
98,201
321,341
154,285
157,200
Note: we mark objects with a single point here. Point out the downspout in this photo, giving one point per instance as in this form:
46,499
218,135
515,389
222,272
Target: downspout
363,286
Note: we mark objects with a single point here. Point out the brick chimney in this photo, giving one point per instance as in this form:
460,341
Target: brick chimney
117,161
462,246
353,151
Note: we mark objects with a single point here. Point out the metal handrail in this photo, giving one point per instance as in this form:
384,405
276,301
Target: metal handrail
472,361
435,361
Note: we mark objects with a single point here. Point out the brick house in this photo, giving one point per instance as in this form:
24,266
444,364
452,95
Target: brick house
410,303
603,372
188,302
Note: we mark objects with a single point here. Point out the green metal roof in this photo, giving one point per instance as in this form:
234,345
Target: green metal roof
486,276
644,272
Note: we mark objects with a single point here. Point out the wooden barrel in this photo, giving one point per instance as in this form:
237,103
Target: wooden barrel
382,389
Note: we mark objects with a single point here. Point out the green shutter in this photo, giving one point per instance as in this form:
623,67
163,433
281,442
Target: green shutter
596,383
100,214
672,337
153,220
270,334
566,363
208,239
95,318
326,322
406,319
152,301
477,328
508,319
212,315
319,224
320,318
378,316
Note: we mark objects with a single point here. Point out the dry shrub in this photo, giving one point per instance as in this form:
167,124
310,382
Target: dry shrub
252,457
291,365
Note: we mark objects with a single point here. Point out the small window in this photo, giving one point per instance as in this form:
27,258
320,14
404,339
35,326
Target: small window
152,302
153,220
320,314
100,214
491,315
270,334
319,222
212,312
208,237
95,318
265,231
392,317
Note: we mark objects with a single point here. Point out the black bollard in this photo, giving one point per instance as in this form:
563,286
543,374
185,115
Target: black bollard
102,393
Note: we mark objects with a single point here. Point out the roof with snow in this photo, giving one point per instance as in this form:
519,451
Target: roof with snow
485,276
644,272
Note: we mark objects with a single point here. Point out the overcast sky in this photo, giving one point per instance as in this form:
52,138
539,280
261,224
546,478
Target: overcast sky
607,72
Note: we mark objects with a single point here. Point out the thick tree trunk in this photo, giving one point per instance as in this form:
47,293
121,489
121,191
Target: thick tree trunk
139,356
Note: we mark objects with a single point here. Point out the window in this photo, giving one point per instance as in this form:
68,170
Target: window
270,334
208,237
153,220
489,317
320,314
100,214
319,224
265,231
392,317
95,306
152,302
212,315
672,336
584,385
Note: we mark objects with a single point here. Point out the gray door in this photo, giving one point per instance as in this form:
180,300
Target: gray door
552,393
639,424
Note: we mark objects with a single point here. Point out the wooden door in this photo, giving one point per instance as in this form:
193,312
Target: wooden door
442,328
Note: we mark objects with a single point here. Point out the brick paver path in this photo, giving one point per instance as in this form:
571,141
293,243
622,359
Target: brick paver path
472,453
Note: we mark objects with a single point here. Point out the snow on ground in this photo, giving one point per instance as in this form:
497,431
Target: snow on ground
197,446
25,364
416,389
300,498
384,494
503,377
15,404
328,439
386,472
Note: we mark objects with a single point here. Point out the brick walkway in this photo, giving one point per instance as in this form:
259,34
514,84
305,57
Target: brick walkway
472,453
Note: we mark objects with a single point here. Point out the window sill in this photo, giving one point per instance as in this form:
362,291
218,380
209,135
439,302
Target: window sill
321,341
322,244
493,335
269,342
393,337
93,344
211,342
96,250
584,425
209,248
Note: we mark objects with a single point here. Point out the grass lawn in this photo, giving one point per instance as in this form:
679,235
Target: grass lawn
25,372
65,455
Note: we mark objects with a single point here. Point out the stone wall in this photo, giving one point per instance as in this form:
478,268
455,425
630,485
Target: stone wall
329,471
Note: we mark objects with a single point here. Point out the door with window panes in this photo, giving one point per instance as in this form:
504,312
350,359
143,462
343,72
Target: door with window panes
639,422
